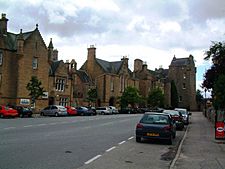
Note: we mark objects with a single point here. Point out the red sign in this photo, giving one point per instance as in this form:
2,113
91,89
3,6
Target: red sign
220,130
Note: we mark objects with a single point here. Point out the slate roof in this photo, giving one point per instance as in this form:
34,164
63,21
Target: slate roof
83,76
11,39
110,67
53,67
179,62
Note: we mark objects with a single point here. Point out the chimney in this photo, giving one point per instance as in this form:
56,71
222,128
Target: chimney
55,54
3,25
138,65
145,66
20,43
91,52
50,50
125,60
91,60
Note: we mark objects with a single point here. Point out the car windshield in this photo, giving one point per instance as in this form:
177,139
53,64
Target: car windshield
183,112
155,119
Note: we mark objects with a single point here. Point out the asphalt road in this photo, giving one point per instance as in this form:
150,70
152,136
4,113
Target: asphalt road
74,142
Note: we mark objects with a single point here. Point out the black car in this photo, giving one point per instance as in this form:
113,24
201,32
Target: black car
24,111
155,125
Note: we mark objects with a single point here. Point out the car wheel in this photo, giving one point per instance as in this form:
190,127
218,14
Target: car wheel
170,141
21,115
56,114
42,114
1,116
138,139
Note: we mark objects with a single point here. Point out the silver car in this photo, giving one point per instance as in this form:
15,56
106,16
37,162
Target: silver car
54,110
185,114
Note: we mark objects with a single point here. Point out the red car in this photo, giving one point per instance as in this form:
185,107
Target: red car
72,111
177,117
6,111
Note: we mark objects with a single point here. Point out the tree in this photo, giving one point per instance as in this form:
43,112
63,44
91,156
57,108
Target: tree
174,95
199,98
130,96
35,89
214,77
92,95
219,92
156,98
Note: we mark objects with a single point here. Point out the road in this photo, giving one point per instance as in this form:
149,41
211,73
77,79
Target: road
74,142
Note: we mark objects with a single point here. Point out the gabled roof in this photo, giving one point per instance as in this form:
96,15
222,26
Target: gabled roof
53,67
83,76
11,39
180,62
110,67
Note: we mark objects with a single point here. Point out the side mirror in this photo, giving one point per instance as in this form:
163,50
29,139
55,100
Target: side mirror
189,114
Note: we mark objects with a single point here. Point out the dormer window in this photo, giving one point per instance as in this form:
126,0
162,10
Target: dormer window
1,57
35,63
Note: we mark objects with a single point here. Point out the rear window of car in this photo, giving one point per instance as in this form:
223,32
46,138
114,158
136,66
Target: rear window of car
155,119
171,112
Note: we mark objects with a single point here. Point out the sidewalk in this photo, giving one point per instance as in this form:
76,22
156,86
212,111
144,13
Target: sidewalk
200,149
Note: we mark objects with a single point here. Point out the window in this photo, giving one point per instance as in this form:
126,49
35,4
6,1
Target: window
180,98
184,86
112,84
60,84
35,63
1,57
184,75
63,101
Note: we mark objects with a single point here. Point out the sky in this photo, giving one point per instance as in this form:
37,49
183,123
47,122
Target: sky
152,30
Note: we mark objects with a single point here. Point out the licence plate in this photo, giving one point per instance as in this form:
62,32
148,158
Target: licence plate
153,134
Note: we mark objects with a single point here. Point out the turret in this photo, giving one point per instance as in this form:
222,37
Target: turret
50,50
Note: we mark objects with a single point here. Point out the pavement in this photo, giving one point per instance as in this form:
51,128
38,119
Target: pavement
199,149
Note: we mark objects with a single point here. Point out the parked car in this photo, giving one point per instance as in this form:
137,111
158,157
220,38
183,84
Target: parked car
103,110
54,110
6,111
128,110
185,115
71,111
154,125
24,111
114,110
84,111
177,117
93,109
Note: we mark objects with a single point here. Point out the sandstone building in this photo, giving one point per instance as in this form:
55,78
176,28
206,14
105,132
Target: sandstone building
25,54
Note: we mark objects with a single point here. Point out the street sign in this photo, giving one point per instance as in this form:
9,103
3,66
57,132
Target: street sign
220,125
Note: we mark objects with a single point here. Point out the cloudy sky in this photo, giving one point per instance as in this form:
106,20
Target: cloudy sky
151,30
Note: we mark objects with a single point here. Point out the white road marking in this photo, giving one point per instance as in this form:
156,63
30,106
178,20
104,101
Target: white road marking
130,138
91,160
41,124
8,128
28,126
110,149
122,142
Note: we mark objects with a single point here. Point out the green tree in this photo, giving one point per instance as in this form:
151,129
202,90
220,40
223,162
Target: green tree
130,96
219,91
174,95
156,98
35,89
92,95
215,75
199,98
